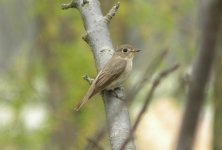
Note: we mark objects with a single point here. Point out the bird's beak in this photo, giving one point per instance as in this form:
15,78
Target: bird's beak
136,50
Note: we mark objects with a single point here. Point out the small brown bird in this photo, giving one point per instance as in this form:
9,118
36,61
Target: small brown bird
113,73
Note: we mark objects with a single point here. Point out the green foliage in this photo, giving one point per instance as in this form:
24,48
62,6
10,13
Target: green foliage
48,67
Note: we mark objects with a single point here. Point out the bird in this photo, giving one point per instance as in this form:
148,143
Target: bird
112,75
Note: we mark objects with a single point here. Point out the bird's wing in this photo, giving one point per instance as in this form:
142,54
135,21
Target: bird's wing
110,72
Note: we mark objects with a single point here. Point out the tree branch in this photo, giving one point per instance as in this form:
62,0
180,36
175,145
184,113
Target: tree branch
200,73
95,143
88,79
112,12
72,4
98,37
97,136
148,98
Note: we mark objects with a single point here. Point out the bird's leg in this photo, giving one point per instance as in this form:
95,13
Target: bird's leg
115,92
88,79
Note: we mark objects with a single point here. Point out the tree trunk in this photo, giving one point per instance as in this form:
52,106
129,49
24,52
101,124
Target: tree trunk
200,73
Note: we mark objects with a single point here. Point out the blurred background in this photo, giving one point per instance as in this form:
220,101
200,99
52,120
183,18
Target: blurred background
43,59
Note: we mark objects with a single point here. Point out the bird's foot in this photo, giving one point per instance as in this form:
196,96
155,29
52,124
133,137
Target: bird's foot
116,92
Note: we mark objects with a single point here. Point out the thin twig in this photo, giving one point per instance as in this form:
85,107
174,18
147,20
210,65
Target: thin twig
147,75
156,82
97,136
72,4
112,12
88,79
96,144
85,37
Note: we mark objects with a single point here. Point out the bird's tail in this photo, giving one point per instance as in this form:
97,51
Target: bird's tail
88,95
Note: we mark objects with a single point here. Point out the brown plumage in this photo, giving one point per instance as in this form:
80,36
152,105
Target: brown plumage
113,73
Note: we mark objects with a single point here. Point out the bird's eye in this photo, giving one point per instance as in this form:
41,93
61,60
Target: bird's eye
125,50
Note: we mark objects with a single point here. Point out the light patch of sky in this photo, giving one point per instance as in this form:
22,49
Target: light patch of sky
33,116
40,85
6,115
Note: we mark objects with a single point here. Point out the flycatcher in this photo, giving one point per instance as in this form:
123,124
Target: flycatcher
112,74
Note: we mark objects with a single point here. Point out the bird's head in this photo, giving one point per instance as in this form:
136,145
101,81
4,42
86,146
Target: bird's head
126,51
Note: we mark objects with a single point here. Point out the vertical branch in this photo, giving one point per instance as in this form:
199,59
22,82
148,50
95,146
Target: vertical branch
200,74
217,103
98,37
